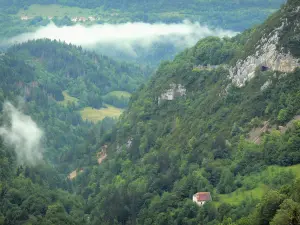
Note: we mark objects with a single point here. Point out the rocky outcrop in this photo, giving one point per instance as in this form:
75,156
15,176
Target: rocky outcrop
266,56
174,91
129,143
101,156
256,133
266,85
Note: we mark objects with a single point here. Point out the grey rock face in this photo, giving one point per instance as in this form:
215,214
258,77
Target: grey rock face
174,91
266,56
266,85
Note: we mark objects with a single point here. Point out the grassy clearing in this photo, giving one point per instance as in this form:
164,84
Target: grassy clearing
295,169
240,195
95,115
68,99
108,15
118,94
56,10
60,11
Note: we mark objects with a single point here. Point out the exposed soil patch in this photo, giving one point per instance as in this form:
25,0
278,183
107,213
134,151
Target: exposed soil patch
102,154
74,174
256,133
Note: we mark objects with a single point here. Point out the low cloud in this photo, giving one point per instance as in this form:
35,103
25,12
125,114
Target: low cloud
22,134
127,36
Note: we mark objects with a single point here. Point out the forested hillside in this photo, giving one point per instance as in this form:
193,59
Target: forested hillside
236,15
38,78
222,117
58,86
83,74
27,192
240,143
61,86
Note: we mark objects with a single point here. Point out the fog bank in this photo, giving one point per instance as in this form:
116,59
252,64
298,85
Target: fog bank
22,134
125,37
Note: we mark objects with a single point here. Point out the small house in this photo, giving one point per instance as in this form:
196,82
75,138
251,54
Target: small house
24,18
201,198
82,19
74,19
91,18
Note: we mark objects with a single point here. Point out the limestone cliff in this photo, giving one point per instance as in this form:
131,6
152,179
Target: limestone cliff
270,52
171,93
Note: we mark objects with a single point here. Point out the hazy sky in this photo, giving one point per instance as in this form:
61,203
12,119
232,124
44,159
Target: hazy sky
124,36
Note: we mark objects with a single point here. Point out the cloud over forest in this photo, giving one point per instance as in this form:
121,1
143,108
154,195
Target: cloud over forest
22,134
125,37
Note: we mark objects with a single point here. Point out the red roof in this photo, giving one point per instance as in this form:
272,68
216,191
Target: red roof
203,196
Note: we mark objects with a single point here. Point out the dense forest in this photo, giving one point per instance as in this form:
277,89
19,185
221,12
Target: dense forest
83,74
241,144
27,192
49,69
162,152
34,78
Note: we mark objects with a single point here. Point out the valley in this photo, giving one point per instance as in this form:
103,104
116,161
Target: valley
207,18
74,14
179,123
218,12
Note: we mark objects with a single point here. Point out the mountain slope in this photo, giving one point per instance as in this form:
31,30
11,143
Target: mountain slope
85,75
189,129
30,194
273,45
34,79
42,71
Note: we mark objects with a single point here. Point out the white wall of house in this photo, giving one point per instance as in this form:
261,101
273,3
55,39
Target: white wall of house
200,203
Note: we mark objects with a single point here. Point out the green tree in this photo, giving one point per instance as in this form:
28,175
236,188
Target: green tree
288,214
